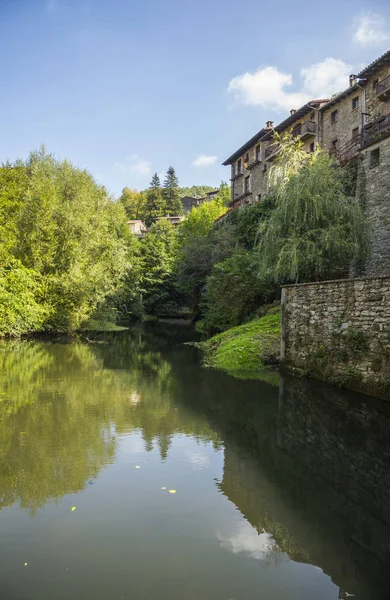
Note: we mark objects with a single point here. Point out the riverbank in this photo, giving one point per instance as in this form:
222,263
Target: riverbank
246,348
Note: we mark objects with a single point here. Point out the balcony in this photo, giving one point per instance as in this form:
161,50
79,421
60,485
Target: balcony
375,131
305,130
272,151
240,198
237,176
383,89
346,152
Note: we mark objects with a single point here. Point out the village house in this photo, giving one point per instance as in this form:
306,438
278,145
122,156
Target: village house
175,221
137,227
352,125
190,202
250,163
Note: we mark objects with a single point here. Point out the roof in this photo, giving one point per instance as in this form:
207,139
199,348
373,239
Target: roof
298,114
341,95
245,147
266,133
374,66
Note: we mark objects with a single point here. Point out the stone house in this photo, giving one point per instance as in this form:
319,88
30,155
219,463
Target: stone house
250,163
352,125
190,202
137,227
175,221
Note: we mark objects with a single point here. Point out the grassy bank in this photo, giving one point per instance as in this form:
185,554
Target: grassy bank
246,348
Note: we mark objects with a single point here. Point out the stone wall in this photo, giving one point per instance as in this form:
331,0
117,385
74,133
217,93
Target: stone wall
374,107
339,331
373,189
347,120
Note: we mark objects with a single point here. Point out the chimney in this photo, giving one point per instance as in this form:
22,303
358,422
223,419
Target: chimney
352,80
293,111
270,125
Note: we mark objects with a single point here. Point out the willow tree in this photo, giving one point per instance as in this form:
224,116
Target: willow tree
315,231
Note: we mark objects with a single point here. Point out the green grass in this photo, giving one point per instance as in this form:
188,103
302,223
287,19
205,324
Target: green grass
246,348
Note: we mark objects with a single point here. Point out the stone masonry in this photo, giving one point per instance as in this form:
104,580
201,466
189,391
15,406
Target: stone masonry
339,331
373,189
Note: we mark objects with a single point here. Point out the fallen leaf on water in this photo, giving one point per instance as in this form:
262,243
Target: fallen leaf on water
137,467
163,488
22,433
73,508
25,564
172,491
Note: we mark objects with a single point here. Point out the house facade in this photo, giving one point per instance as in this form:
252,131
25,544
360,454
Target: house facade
137,227
190,202
354,124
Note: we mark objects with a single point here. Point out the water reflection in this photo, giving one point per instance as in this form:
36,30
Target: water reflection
296,482
61,410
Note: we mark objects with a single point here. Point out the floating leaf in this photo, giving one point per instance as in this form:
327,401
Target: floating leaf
172,491
164,488
137,467
73,508
22,433
25,564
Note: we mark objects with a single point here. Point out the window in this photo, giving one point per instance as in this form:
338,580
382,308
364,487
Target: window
312,146
258,152
355,102
246,161
334,146
312,116
374,84
334,116
355,133
335,143
247,184
258,197
239,167
374,158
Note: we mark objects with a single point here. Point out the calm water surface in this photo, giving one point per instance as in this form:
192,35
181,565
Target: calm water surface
279,494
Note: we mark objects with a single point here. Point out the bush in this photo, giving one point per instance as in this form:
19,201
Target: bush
233,291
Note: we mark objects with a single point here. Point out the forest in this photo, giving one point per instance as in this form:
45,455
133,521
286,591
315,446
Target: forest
69,261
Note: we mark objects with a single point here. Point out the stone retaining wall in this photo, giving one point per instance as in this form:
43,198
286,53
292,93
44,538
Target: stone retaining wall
339,331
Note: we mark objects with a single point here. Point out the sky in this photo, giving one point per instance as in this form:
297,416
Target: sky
125,88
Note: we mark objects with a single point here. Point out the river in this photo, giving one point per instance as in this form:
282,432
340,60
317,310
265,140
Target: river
128,471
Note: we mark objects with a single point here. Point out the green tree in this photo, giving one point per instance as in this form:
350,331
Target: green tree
232,292
196,191
65,238
195,253
134,203
315,231
224,195
173,205
158,252
155,202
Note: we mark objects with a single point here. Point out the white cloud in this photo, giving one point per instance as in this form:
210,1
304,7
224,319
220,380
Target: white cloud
134,164
246,539
199,460
371,30
204,161
268,87
327,77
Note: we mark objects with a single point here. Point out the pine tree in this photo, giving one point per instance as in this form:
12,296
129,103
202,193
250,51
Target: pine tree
155,203
173,205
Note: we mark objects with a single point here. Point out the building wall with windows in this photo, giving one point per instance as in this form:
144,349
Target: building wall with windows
341,119
375,107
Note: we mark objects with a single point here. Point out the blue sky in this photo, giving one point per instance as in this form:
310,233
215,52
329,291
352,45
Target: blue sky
125,88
